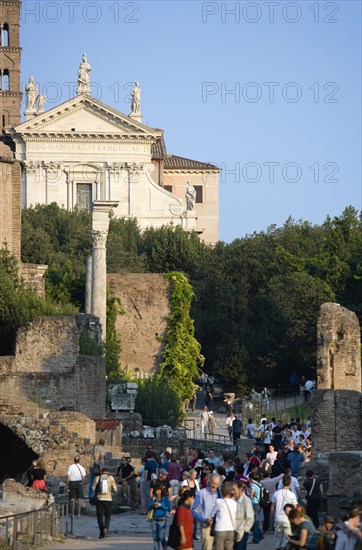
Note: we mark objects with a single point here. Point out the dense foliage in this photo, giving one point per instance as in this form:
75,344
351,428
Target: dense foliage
182,352
158,403
19,305
256,299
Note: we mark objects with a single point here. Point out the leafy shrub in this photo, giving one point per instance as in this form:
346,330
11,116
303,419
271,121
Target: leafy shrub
158,403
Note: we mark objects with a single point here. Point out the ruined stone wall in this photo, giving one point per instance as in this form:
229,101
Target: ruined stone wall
345,479
10,201
338,351
336,420
47,368
145,298
33,277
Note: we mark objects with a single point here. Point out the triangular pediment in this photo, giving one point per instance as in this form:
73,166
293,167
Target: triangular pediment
85,115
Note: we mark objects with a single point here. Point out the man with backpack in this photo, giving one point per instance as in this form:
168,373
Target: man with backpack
103,486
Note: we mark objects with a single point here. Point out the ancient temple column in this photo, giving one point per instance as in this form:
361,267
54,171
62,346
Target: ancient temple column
99,278
88,285
100,224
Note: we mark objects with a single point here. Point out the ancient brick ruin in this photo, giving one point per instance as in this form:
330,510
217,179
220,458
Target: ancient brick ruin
143,327
46,377
338,352
49,370
337,406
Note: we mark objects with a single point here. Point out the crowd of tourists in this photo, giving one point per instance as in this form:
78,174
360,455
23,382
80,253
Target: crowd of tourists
230,501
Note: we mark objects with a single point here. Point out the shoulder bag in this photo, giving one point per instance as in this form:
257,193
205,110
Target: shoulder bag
232,523
174,535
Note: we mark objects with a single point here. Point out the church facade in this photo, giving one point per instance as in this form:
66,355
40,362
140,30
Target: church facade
84,150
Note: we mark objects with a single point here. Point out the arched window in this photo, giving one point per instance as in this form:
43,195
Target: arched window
6,81
5,36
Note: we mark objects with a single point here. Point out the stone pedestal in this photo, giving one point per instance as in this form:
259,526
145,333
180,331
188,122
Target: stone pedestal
136,116
31,113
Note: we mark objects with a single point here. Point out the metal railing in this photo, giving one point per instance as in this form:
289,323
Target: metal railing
31,529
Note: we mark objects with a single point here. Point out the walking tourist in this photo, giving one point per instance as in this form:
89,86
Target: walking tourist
282,528
237,427
308,534
144,497
296,458
250,429
38,476
203,510
185,520
161,481
96,463
212,423
204,421
151,468
159,506
103,487
127,480
208,399
265,397
308,389
225,519
244,515
314,489
229,424
174,470
255,497
349,533
75,477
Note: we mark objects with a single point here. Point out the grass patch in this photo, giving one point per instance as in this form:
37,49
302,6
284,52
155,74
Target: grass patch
302,411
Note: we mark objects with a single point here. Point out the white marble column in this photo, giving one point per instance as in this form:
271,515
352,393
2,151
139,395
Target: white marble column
100,224
99,278
88,284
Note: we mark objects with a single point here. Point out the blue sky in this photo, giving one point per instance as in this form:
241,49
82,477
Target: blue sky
270,91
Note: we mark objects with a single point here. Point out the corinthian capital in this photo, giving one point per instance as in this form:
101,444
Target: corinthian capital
135,168
99,239
32,166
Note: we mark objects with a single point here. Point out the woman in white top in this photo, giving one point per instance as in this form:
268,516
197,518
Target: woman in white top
271,455
225,519
191,481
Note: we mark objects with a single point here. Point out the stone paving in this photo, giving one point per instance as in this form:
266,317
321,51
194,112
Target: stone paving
127,530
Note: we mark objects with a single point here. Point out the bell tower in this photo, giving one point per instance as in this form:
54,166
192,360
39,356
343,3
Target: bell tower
10,56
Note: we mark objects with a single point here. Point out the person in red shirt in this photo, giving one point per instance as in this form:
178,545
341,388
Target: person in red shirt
185,520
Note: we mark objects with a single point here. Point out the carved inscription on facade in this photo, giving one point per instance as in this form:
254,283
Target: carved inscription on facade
87,147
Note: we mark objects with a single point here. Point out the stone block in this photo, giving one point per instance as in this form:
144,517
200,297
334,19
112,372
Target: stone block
336,420
338,349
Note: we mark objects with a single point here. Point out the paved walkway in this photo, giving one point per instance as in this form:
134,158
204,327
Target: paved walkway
127,530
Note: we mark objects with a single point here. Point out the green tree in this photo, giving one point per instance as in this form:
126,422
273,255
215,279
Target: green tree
113,346
18,304
182,352
158,402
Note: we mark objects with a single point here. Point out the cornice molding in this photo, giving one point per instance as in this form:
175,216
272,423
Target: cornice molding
191,171
85,138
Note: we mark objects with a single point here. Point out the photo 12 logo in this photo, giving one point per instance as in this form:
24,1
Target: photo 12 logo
270,92
270,12
74,12
58,92
279,172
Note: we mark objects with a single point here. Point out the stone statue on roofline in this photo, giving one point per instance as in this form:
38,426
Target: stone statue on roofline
136,99
84,76
31,91
190,196
41,99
